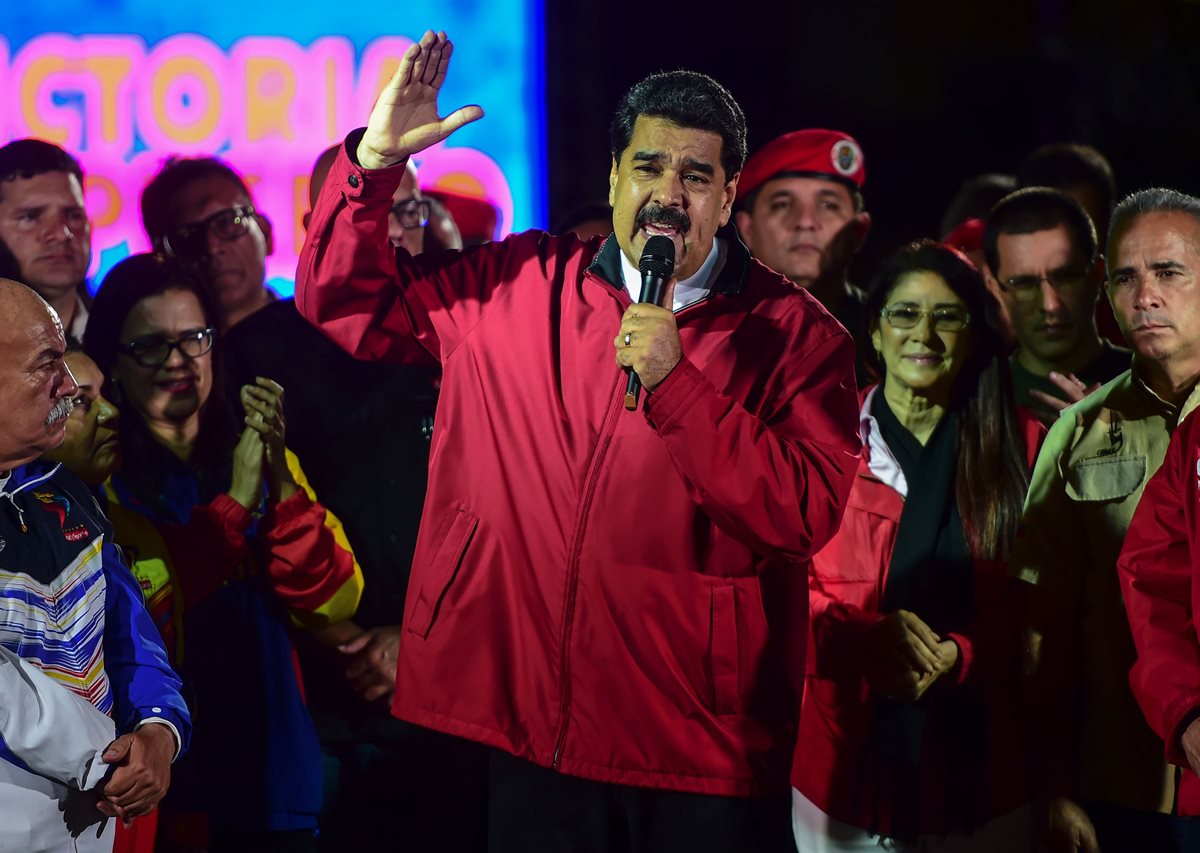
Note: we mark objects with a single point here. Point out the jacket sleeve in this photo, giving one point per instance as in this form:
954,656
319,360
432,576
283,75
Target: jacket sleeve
376,301
48,730
309,559
835,652
145,687
777,486
1156,570
208,549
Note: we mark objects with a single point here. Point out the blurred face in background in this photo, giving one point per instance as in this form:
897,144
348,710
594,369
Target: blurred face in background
90,450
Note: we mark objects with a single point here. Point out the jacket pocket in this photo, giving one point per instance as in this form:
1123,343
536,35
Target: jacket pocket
1105,479
440,572
723,651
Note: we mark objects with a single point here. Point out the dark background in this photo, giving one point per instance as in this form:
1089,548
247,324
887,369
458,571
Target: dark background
934,91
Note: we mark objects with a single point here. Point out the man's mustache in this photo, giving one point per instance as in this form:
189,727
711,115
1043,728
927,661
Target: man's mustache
61,411
669,217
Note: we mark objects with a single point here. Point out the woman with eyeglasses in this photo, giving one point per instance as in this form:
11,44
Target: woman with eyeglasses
908,737
229,548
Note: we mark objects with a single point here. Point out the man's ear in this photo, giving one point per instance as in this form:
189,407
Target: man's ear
268,231
612,184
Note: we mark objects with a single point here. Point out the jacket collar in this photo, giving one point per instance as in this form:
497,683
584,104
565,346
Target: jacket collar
879,459
730,281
30,474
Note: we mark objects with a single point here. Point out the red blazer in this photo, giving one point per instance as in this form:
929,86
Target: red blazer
594,589
1160,579
846,587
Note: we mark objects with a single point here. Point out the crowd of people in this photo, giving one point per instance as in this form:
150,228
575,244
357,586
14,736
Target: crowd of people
905,564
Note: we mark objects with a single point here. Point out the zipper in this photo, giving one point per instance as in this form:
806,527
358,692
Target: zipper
607,430
26,485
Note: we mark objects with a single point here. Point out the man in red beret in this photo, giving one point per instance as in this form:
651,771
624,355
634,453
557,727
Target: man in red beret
800,210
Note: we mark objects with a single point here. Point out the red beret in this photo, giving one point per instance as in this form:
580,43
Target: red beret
821,153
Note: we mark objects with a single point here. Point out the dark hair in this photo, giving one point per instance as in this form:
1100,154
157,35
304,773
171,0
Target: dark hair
990,445
1037,209
158,196
136,278
975,199
27,158
688,99
1064,165
1153,200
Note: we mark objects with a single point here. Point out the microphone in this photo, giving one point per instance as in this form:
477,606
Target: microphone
656,266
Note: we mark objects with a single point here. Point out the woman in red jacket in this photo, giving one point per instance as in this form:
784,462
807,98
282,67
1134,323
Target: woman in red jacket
908,732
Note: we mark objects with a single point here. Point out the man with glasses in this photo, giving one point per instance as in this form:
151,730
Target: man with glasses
200,211
1040,252
361,431
1108,786
44,228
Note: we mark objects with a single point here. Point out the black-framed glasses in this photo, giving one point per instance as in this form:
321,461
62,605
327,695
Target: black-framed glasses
1025,288
191,241
948,319
412,212
154,350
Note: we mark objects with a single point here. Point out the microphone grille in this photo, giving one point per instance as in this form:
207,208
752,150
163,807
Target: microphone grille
658,256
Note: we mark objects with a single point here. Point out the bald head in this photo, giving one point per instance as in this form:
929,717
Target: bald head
36,388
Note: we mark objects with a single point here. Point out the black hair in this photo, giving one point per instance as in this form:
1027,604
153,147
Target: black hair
27,158
990,445
975,199
1064,165
689,99
1037,209
158,196
134,279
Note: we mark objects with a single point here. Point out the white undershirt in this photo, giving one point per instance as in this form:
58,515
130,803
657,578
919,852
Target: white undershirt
693,288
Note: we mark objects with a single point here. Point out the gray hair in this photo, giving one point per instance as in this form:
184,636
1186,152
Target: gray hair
1143,202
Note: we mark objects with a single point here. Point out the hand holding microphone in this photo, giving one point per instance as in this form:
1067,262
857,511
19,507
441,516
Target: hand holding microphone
647,343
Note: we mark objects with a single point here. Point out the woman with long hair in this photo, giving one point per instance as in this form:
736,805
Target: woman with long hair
908,735
229,548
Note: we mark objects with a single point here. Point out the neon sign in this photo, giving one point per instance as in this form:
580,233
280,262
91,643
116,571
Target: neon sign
268,104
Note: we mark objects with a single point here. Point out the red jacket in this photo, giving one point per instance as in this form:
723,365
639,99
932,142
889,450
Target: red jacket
1160,579
593,589
846,588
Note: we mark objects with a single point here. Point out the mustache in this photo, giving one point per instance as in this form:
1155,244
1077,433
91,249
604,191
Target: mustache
1142,318
61,411
671,217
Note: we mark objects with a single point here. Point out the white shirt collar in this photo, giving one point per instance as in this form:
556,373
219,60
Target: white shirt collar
79,320
693,288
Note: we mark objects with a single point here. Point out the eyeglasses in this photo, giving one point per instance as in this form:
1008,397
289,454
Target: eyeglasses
1025,288
191,241
413,213
154,350
944,319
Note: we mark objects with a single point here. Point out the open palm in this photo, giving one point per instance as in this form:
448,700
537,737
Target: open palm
405,118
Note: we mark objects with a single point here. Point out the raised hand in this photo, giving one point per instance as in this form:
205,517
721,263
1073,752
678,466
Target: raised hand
405,118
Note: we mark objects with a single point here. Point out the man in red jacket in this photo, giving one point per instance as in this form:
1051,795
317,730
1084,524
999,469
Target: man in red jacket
1159,565
616,601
